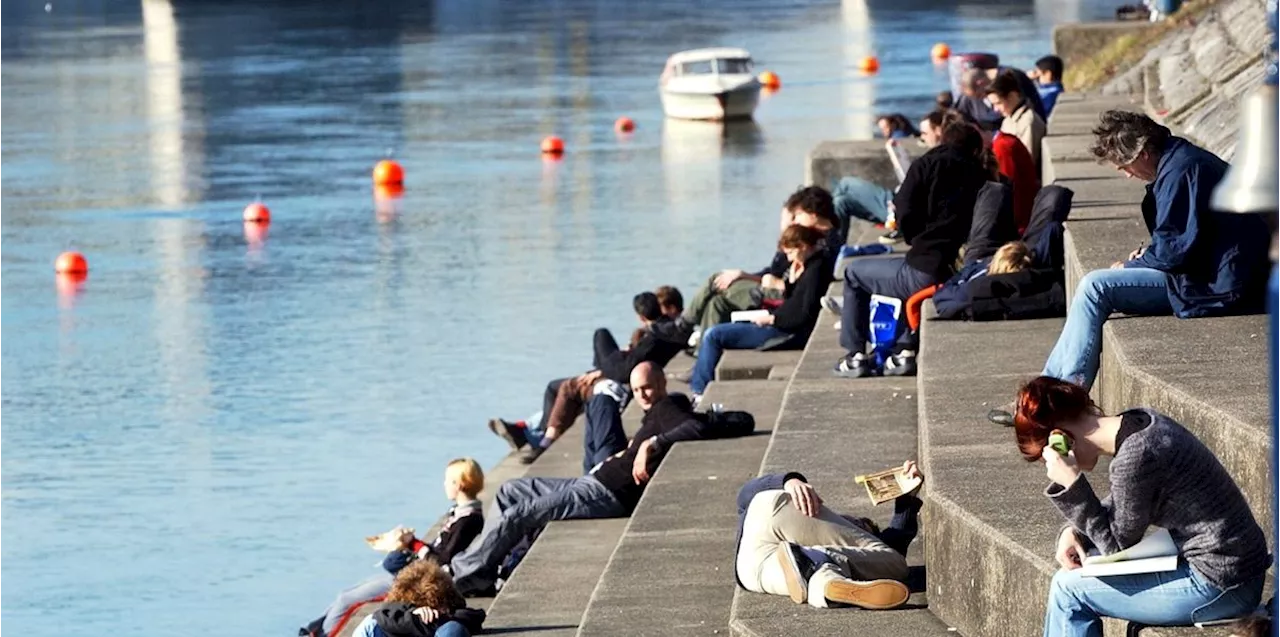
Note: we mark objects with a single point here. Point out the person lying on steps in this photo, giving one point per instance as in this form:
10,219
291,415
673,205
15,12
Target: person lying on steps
526,505
790,543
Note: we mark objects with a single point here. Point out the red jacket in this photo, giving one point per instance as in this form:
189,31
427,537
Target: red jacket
1016,164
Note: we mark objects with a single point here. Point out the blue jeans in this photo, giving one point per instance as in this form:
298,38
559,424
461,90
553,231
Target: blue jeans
855,197
524,507
887,276
1075,357
375,586
1077,604
370,628
722,337
604,436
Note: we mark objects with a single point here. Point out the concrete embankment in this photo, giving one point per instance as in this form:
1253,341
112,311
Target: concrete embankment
984,558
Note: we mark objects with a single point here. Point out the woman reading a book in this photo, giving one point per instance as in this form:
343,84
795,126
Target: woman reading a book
1160,475
807,279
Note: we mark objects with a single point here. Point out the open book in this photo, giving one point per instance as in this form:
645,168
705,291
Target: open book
886,485
1154,554
747,316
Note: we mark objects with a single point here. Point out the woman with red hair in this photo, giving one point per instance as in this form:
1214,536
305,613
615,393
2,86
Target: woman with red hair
1160,475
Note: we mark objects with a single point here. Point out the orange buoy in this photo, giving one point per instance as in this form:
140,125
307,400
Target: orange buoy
770,80
72,263
624,125
869,64
552,145
940,51
257,212
255,234
388,171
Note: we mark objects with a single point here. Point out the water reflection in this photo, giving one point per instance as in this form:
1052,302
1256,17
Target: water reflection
692,151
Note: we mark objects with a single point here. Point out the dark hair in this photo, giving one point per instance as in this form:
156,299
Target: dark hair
1052,65
797,236
1122,135
1045,404
945,100
669,296
1006,83
940,118
899,122
814,200
964,137
646,305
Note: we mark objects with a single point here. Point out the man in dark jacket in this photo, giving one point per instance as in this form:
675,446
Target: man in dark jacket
526,505
935,211
1199,262
823,556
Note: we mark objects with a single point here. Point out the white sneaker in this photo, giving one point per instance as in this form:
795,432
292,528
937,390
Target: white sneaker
833,304
695,337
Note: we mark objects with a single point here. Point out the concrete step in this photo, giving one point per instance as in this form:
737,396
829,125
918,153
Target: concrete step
749,364
671,573
989,532
832,429
548,592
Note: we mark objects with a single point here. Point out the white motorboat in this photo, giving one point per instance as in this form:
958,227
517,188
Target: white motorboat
715,84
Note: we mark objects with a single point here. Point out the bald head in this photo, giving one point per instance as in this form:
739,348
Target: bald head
648,384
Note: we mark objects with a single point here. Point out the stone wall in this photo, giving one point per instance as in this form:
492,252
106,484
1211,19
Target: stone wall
1195,77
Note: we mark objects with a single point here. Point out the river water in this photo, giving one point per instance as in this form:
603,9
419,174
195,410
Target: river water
198,438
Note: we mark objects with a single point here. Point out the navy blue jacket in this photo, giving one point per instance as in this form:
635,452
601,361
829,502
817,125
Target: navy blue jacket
898,535
1216,262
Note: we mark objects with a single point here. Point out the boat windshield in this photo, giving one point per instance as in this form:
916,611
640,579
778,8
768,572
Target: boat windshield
733,66
697,67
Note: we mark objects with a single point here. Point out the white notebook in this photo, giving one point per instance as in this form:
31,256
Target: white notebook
1154,554
747,316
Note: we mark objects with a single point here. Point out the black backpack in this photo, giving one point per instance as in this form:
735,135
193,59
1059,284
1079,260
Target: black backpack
730,424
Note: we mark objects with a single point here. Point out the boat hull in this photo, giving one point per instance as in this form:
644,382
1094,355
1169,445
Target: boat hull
737,103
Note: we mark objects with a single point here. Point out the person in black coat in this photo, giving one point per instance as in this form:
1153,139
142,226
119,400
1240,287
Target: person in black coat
935,212
807,279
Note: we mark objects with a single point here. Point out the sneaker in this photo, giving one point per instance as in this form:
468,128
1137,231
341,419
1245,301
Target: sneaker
901,364
513,434
856,366
833,304
797,568
891,237
695,337
1002,415
531,454
878,594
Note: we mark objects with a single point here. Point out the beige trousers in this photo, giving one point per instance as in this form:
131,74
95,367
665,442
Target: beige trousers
771,519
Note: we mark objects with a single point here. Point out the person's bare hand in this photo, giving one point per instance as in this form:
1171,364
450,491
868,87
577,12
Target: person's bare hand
406,537
592,377
726,278
1070,553
1118,265
770,282
1139,251
803,496
427,615
640,468
763,320
911,470
1060,469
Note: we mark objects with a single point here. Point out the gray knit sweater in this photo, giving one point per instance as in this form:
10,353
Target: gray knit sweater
1162,475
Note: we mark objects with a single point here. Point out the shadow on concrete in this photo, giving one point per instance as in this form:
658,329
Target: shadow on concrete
527,629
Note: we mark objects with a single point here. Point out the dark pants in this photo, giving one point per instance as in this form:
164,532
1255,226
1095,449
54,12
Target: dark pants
524,507
888,276
609,358
605,436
